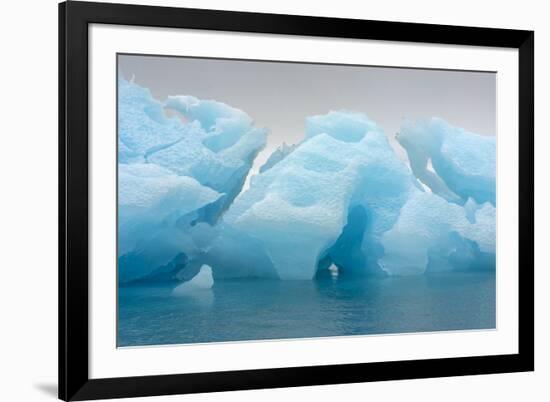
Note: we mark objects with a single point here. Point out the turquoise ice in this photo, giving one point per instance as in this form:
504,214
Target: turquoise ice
174,172
464,163
301,207
339,198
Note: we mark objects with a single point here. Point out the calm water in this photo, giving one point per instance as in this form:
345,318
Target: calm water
261,309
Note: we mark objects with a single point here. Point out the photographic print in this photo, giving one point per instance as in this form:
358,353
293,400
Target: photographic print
265,200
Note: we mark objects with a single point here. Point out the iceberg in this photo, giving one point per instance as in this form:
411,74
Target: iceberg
464,163
298,209
209,141
342,198
340,202
198,289
232,253
201,282
433,234
151,194
175,172
153,203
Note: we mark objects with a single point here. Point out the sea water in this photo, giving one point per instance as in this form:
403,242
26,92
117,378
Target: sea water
254,309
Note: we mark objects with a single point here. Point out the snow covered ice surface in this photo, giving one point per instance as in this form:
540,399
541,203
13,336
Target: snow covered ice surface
338,201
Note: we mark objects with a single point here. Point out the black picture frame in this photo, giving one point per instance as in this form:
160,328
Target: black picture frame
74,18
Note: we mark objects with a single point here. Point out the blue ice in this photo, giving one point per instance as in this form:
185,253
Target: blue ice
175,172
341,200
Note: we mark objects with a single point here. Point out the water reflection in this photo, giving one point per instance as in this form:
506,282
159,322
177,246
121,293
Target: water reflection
331,305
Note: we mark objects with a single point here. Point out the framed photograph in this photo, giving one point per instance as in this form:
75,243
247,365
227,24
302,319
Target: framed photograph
257,200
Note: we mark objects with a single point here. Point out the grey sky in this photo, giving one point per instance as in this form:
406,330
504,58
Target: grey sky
279,96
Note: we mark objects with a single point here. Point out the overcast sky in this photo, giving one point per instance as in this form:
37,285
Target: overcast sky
279,96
